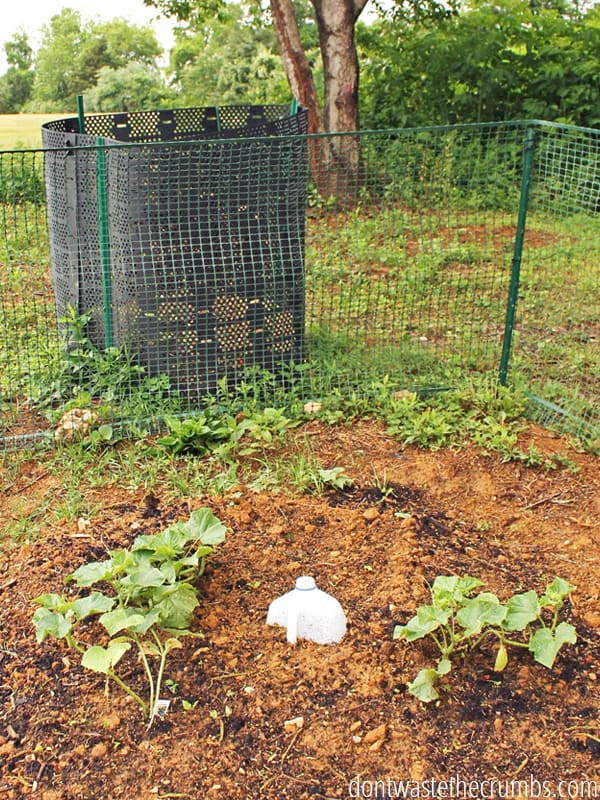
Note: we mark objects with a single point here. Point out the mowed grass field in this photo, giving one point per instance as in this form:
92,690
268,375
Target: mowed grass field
18,131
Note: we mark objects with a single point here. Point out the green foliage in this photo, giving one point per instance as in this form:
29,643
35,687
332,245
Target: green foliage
535,62
459,620
482,413
15,90
200,435
149,604
336,478
78,372
16,83
216,430
21,179
73,51
133,87
302,473
228,60
263,427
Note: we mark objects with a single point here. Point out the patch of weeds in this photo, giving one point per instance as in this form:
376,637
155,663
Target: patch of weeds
186,477
302,473
458,620
305,474
215,431
201,435
27,523
75,373
263,428
488,415
415,421
335,478
382,484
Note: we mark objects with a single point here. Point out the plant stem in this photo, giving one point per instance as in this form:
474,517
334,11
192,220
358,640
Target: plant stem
120,682
161,667
152,698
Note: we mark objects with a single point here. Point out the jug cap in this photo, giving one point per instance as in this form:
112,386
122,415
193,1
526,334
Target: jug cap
305,583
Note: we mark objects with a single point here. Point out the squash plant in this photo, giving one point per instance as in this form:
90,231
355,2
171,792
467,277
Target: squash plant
458,620
144,598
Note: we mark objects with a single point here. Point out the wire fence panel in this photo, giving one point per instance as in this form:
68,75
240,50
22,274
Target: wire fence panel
410,278
556,353
27,327
137,279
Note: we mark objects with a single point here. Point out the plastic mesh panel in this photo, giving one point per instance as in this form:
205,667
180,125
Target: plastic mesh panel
181,124
206,240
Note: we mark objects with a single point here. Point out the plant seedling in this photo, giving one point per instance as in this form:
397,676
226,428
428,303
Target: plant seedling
458,620
336,477
214,714
149,606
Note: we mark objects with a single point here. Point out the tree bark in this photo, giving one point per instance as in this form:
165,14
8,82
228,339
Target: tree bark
335,161
297,68
340,162
336,20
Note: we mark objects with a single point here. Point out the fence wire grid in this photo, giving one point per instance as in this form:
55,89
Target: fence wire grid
140,279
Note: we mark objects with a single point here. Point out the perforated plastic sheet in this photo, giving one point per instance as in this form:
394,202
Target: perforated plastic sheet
205,238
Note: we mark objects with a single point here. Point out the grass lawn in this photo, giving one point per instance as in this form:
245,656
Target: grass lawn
23,130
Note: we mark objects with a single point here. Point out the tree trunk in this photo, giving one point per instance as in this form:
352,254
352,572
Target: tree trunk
335,161
297,68
336,20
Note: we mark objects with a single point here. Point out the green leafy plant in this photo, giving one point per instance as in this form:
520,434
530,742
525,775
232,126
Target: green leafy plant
199,435
216,430
459,619
148,605
265,426
336,478
76,373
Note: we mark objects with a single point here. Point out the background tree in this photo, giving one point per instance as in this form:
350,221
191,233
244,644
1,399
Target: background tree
536,60
72,53
16,83
335,22
226,60
134,87
336,161
419,65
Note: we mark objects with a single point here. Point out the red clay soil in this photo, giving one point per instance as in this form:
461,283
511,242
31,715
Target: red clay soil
237,735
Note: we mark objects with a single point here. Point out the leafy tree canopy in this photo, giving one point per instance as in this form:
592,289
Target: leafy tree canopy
537,60
72,54
134,87
229,59
16,83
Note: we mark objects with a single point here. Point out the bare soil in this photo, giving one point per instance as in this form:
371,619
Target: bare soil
452,511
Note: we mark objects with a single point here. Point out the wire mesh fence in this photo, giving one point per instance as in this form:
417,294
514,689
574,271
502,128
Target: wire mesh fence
191,255
139,278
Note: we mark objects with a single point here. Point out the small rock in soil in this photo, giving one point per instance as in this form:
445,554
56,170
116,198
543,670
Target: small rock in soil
293,725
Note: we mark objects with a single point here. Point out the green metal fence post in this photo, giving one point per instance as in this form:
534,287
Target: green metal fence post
513,292
103,231
80,113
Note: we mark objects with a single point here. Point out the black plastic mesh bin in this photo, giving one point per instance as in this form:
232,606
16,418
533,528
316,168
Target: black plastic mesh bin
187,245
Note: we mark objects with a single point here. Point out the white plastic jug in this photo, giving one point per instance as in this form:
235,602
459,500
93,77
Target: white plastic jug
308,613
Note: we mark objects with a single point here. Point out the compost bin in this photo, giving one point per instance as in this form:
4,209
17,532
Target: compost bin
180,234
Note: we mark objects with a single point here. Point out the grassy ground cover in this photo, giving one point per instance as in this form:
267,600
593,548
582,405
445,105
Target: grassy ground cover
22,130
